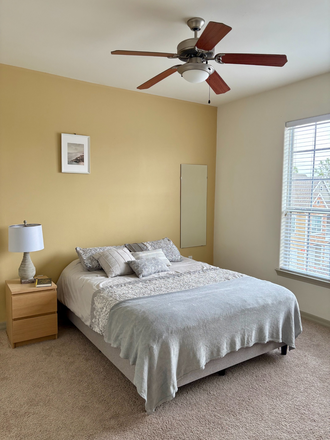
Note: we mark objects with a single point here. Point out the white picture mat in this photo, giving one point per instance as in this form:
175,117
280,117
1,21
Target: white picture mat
75,145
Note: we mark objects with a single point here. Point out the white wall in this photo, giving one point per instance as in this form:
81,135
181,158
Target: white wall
249,184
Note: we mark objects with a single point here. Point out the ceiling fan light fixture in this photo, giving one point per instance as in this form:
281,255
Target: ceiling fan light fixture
195,72
195,76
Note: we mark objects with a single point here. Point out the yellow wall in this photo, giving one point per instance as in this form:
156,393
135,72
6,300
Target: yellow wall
249,184
138,142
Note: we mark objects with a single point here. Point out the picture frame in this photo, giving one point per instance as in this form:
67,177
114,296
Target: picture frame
75,153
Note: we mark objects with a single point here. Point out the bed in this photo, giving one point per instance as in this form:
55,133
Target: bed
176,325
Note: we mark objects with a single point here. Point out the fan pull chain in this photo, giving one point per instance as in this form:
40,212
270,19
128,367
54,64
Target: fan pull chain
209,101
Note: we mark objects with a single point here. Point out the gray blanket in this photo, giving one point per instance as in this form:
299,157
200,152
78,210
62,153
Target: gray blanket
169,335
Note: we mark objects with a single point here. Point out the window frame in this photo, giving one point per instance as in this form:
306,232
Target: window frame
292,214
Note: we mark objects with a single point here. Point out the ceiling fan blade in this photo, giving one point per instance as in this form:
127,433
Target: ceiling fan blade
212,34
217,84
158,78
144,54
253,59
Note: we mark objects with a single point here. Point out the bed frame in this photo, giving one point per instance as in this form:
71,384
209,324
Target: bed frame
214,366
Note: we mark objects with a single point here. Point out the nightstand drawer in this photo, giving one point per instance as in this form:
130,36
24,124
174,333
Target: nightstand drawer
33,328
32,304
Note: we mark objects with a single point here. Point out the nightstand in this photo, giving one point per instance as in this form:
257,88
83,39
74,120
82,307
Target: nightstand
31,313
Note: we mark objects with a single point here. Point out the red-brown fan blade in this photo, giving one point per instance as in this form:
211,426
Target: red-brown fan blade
254,59
212,34
144,54
217,84
157,78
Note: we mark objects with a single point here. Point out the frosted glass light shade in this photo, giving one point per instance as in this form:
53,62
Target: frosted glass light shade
195,76
25,238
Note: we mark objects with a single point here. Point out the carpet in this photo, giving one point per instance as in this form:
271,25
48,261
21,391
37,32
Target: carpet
66,389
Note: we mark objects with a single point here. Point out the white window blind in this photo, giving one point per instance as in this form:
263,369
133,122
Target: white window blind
305,228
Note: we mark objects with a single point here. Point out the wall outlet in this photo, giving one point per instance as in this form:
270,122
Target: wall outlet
190,256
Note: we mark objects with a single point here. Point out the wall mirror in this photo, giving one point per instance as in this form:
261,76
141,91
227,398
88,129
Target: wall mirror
193,205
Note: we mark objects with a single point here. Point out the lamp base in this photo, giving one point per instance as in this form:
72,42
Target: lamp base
26,270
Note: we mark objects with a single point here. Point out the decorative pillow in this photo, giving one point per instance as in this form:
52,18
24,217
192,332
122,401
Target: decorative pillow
114,261
86,256
158,253
149,266
171,252
136,247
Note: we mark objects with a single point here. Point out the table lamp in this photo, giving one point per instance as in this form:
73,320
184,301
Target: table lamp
25,238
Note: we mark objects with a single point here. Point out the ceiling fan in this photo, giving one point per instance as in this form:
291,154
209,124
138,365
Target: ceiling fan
198,51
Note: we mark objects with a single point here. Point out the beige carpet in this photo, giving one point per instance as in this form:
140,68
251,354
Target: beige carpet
66,389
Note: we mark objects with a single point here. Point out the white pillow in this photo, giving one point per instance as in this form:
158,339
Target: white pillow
114,261
157,253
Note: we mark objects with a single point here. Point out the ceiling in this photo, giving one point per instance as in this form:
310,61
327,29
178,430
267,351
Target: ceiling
74,38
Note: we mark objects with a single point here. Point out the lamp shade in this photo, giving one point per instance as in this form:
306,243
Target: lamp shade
25,238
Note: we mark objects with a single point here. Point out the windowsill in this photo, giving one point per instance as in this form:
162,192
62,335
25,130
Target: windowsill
301,277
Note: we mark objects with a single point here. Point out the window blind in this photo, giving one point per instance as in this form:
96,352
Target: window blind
305,226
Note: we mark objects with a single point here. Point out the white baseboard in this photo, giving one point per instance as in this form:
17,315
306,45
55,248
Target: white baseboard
2,325
314,318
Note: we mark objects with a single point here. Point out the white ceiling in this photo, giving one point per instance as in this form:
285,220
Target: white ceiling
74,38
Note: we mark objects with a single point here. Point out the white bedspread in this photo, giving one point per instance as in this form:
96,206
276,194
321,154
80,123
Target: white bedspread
75,287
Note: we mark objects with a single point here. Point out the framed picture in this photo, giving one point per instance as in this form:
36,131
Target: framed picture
75,153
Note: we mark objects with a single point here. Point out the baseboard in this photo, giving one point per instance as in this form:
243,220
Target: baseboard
314,318
2,325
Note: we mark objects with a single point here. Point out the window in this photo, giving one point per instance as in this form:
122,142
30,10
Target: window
305,228
316,222
293,223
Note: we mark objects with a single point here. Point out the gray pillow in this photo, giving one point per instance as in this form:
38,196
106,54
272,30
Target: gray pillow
157,253
86,256
114,261
171,252
136,247
146,267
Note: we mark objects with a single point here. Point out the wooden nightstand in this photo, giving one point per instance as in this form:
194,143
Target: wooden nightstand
31,313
